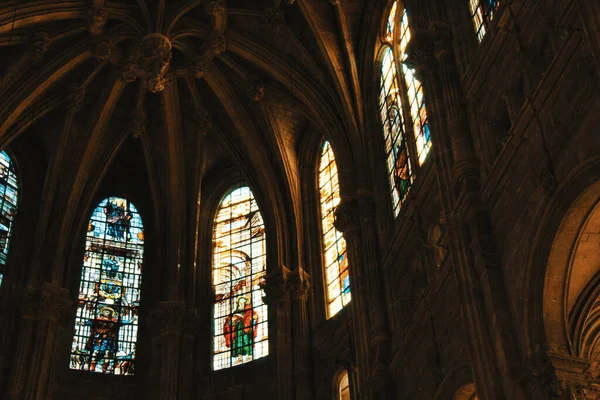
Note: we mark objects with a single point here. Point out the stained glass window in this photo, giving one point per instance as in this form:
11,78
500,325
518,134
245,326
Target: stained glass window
415,96
344,389
482,12
106,323
239,265
402,109
337,277
8,208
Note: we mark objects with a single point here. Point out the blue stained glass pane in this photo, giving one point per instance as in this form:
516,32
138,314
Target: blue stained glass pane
106,323
8,206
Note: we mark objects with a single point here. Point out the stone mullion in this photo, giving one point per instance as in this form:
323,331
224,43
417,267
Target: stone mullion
355,218
277,297
485,305
300,285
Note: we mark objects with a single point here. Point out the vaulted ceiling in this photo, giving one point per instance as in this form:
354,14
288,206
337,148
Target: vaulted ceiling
183,87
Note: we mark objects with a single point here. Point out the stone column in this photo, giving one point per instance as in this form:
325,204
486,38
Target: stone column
45,309
277,297
299,288
191,327
354,217
485,307
166,326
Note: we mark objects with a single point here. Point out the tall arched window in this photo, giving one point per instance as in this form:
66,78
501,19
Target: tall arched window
335,259
344,386
9,190
239,265
482,13
402,108
106,323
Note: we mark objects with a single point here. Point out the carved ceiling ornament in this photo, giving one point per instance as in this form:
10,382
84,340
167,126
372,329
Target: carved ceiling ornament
40,44
103,49
256,89
75,98
215,7
203,122
98,17
218,43
274,19
155,58
200,66
137,125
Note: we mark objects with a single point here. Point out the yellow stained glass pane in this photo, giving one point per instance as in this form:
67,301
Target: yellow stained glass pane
334,245
239,266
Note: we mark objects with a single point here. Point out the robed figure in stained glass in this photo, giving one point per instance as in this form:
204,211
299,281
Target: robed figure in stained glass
239,329
104,336
106,322
117,218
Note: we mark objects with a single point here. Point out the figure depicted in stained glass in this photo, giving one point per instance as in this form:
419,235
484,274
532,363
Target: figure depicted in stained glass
102,344
117,218
482,13
239,329
8,206
239,266
106,319
401,173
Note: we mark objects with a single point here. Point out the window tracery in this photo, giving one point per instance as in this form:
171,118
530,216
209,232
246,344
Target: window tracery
106,322
240,322
482,13
337,278
402,108
9,189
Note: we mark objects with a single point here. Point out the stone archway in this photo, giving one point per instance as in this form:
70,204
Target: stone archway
571,296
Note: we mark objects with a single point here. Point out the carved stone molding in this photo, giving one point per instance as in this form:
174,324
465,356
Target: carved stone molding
203,122
420,53
75,98
167,318
97,17
441,35
103,49
199,67
299,284
274,19
40,45
215,7
218,43
276,286
353,210
137,125
49,302
256,90
128,70
155,58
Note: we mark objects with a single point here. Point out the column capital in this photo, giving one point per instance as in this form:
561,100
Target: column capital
167,318
276,286
352,211
299,284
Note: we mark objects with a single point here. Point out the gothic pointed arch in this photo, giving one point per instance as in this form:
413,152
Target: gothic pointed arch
335,258
402,108
240,317
106,321
9,192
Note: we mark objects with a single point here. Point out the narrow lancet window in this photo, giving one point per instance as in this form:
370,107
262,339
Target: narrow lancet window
482,13
239,265
402,109
344,387
337,277
9,189
106,323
